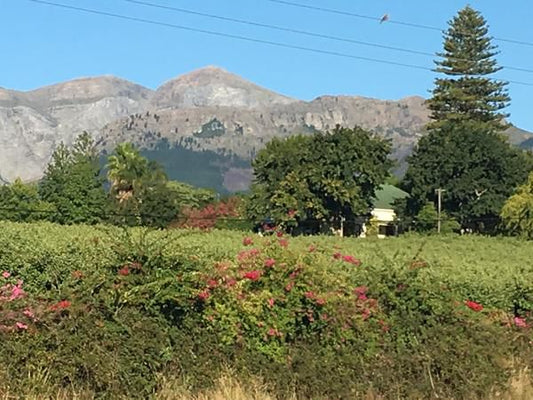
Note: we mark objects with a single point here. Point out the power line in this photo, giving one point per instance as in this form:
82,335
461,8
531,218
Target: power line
368,17
302,32
244,38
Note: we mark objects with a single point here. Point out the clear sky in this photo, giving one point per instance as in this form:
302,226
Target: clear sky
41,45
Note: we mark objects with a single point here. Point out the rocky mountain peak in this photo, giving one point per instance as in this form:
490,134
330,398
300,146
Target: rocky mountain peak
214,87
90,89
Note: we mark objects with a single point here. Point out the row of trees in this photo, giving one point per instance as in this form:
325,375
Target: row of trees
74,190
464,154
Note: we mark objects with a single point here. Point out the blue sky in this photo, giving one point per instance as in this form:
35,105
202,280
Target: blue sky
43,45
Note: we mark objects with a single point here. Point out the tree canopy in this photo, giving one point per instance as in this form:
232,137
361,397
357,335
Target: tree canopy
73,184
517,213
324,177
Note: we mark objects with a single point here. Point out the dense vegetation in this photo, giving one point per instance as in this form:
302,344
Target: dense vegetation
109,310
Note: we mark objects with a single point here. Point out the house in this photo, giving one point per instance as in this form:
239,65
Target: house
383,214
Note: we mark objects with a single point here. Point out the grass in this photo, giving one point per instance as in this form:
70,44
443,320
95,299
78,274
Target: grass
228,388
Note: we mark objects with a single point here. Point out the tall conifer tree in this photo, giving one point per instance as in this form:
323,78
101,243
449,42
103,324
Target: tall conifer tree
467,92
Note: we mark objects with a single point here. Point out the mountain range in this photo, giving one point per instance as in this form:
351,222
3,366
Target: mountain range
204,126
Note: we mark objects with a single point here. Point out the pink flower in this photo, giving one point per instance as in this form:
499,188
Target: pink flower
271,302
20,325
124,271
520,322
231,282
289,286
6,274
252,275
283,242
309,295
351,260
247,241
16,291
204,295
28,313
360,291
320,302
473,305
269,263
291,213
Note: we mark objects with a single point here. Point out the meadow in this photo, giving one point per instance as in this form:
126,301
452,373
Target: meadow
104,312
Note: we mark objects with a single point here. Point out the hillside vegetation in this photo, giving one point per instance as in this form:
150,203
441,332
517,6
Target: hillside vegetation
118,312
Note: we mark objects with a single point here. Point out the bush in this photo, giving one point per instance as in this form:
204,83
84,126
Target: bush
110,311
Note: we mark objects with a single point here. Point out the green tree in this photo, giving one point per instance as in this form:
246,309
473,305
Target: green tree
21,202
477,169
139,189
427,220
467,92
73,184
323,177
517,213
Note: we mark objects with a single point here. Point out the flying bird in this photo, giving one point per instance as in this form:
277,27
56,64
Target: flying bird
384,18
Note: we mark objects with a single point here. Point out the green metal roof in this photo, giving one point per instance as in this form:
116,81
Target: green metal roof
386,195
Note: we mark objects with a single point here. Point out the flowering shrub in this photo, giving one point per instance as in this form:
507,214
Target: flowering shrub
111,311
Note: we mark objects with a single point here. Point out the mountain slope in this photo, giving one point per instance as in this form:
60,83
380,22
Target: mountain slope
204,126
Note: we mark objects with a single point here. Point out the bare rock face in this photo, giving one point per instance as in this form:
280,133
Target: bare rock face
206,110
32,124
212,86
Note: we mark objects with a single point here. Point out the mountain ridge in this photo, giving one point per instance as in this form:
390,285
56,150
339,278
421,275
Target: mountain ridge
209,112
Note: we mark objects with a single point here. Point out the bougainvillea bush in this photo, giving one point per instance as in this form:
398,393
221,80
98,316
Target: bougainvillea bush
111,311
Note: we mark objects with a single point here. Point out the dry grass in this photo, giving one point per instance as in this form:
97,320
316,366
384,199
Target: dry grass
229,388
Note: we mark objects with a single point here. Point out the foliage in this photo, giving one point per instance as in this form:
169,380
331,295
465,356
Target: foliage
467,93
21,202
140,190
428,217
477,170
322,177
411,317
517,213
72,183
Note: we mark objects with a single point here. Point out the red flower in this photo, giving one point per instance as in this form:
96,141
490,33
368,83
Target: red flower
124,271
283,242
253,275
473,305
62,305
279,234
212,283
351,260
269,263
247,241
337,256
204,295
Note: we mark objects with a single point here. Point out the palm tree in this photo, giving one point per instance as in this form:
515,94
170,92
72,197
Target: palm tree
126,170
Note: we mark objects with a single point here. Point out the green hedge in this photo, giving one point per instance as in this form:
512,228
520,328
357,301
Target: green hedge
110,310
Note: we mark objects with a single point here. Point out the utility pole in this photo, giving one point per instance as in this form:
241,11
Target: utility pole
439,192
